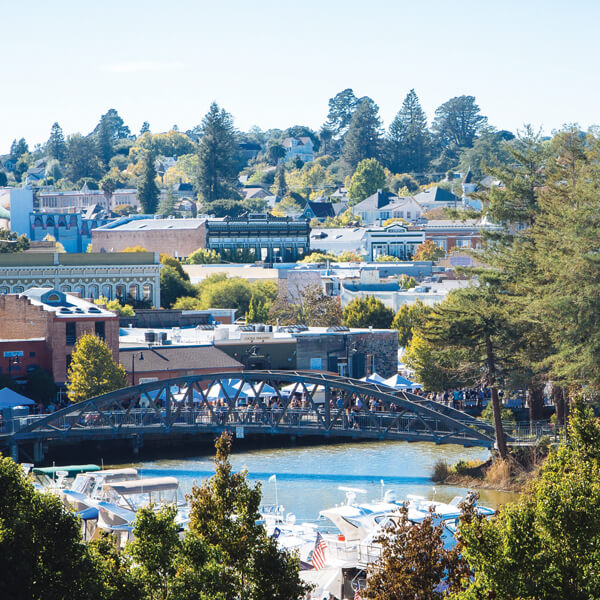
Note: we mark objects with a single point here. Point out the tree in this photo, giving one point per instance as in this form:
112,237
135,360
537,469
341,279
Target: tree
257,311
224,515
429,250
42,556
341,108
367,179
287,207
3,179
166,205
40,386
544,545
12,242
217,154
490,149
408,141
123,310
408,318
230,292
414,561
203,256
368,312
173,286
476,320
82,158
18,149
56,147
275,153
281,187
306,306
458,121
93,371
148,191
145,128
363,137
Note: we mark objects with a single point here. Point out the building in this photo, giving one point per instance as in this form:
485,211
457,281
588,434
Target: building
351,352
320,210
173,318
176,237
91,275
393,240
381,206
15,206
448,234
73,231
263,236
40,327
145,364
437,197
301,148
76,201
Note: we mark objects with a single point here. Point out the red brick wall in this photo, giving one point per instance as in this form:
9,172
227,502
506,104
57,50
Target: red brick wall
42,357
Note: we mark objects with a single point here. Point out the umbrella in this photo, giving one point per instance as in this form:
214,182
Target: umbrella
398,382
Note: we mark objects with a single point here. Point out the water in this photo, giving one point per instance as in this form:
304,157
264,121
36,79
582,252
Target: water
308,477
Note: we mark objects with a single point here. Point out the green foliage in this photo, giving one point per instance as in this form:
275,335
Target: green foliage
166,204
231,292
318,257
505,413
345,219
367,179
18,149
12,242
287,207
56,147
257,311
429,250
3,179
217,155
123,310
173,286
41,553
546,544
82,158
171,261
341,108
281,187
40,386
225,207
413,562
458,121
387,258
362,139
93,371
308,306
409,318
148,191
368,312
202,256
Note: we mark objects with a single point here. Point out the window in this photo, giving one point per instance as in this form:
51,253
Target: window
71,334
342,367
408,214
31,354
316,364
370,364
100,329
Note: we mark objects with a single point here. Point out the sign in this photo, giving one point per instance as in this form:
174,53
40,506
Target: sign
256,338
239,433
13,353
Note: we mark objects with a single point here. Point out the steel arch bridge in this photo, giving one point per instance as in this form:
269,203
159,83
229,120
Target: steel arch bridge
333,406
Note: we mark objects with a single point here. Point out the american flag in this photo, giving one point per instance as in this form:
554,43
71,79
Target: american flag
318,556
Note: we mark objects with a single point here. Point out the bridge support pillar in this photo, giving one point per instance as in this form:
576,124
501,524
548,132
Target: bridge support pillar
136,443
38,452
14,451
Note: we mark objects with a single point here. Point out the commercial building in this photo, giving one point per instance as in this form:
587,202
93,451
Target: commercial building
91,275
15,206
76,201
40,327
448,234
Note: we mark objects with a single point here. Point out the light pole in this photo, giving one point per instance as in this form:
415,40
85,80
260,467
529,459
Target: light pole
140,357
13,360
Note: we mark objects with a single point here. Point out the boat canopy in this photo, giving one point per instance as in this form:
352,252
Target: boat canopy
141,486
72,470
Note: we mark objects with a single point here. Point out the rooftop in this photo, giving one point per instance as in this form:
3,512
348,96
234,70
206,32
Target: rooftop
147,224
64,305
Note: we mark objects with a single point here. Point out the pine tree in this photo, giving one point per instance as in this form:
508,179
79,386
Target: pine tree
458,121
341,108
281,187
407,143
363,137
56,146
93,371
148,191
217,155
144,128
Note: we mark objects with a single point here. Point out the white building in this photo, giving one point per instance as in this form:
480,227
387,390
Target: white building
77,201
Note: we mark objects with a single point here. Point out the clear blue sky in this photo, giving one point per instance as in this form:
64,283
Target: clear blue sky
275,63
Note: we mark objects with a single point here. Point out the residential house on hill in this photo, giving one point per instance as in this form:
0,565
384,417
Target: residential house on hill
383,205
301,148
437,197
319,210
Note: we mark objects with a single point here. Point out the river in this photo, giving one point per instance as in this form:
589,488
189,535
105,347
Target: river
308,477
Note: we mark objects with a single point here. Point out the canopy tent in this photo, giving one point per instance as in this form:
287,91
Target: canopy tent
224,389
299,388
374,378
9,399
249,391
398,382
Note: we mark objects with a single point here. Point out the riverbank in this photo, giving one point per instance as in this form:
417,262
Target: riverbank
510,475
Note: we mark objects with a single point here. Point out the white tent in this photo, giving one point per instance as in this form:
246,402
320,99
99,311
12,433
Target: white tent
299,388
216,390
398,382
374,378
9,399
249,391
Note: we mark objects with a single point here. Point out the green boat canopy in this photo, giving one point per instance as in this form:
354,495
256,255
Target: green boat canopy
72,470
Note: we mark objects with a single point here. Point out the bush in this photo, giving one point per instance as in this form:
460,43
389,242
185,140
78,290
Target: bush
441,470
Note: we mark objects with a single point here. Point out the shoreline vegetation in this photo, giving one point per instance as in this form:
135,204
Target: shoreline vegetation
512,474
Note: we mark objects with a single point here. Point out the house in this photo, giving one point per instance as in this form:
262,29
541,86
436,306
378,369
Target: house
340,195
449,234
437,197
301,148
319,210
255,192
382,205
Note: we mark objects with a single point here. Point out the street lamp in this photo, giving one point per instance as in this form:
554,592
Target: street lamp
12,361
140,357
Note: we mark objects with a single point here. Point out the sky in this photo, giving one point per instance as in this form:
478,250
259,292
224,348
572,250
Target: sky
275,63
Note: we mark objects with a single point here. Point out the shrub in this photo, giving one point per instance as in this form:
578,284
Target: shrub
441,470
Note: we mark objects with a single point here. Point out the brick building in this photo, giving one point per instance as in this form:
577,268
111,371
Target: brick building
41,326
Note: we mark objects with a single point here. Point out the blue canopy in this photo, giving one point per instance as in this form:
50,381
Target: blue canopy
9,399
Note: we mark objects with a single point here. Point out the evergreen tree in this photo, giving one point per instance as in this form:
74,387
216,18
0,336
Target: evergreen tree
281,187
363,137
93,371
407,143
458,121
217,152
341,108
3,179
367,179
82,158
56,146
144,128
166,206
18,148
148,191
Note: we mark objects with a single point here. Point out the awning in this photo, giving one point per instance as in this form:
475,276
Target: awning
71,470
141,486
